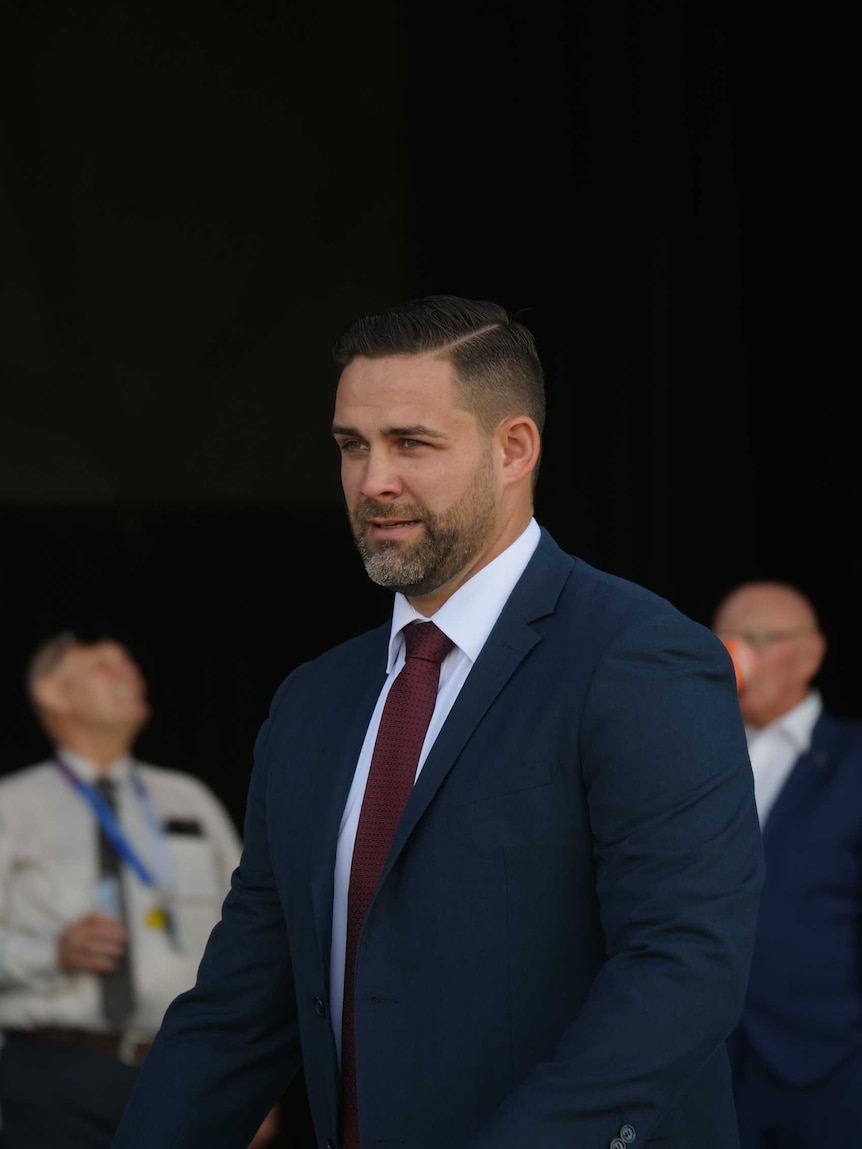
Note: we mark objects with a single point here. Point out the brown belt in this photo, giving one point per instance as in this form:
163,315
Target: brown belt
117,1044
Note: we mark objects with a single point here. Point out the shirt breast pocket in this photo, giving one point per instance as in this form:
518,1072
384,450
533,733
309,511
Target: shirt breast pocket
194,867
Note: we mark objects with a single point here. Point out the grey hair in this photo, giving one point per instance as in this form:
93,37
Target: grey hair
48,657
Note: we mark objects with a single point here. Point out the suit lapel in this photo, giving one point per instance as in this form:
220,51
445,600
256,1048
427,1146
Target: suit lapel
511,639
513,636
347,722
807,776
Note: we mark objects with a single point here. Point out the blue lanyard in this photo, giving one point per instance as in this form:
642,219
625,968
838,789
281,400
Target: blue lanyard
107,820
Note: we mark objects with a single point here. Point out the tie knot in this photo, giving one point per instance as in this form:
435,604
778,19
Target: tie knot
426,641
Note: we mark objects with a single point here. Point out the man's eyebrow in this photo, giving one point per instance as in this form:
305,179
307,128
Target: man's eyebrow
408,432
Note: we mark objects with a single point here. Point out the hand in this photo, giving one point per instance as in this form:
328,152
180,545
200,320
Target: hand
94,943
268,1130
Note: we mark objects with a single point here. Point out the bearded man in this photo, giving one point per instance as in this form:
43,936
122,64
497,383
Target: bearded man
502,861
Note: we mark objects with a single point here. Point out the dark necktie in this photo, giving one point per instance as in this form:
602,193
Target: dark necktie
403,726
117,990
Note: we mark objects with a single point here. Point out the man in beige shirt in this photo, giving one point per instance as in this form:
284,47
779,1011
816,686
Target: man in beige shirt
112,875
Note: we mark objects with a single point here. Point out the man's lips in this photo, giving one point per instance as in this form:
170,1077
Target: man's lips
386,528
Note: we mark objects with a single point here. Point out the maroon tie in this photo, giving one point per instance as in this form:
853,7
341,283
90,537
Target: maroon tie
403,725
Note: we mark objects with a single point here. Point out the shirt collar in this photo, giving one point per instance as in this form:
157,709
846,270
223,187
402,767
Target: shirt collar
469,615
87,771
797,725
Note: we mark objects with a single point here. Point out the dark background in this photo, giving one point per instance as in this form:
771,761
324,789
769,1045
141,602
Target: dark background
194,199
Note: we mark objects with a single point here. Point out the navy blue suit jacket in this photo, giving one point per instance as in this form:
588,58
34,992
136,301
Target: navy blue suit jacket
803,1010
559,946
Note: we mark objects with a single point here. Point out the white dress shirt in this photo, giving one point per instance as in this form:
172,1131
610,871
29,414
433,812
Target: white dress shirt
775,749
49,879
467,618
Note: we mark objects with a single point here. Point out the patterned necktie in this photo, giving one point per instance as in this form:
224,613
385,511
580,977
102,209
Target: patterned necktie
117,991
403,725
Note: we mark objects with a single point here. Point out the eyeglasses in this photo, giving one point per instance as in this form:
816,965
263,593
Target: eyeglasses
761,639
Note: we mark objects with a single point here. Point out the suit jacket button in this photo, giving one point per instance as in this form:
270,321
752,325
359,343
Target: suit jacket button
627,1134
330,1144
617,1144
319,1007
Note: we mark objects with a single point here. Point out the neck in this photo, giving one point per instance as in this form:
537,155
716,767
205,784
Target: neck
513,529
102,748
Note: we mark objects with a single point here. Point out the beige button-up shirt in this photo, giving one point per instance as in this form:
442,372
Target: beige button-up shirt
49,879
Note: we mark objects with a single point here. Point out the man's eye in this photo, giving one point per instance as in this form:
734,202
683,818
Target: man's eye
412,443
351,445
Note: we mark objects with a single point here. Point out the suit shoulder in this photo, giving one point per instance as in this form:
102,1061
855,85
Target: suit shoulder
556,579
839,731
618,600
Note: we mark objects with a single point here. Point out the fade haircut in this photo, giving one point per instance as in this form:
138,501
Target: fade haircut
497,367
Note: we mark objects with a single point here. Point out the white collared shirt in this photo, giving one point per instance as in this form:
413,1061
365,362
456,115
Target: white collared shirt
49,879
774,750
468,617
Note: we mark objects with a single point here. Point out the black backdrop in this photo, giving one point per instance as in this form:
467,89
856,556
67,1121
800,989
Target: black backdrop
195,198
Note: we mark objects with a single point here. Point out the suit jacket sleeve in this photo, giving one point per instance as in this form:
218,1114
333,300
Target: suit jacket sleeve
679,869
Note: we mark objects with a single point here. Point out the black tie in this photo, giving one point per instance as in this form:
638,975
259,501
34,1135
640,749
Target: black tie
117,992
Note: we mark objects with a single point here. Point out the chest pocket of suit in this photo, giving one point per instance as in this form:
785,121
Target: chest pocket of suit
512,808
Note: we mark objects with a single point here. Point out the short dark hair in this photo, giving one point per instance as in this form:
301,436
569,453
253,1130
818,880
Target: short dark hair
495,358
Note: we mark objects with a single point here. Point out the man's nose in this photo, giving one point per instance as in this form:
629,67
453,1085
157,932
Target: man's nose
380,478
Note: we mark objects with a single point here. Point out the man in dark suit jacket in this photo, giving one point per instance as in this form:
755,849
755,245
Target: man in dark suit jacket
797,1053
559,941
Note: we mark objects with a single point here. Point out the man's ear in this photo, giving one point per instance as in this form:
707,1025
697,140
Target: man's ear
813,652
520,444
49,695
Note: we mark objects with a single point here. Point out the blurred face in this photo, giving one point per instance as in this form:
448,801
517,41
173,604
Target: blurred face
99,686
424,488
780,627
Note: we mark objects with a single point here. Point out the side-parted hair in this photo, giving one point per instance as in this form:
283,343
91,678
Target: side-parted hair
495,359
